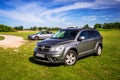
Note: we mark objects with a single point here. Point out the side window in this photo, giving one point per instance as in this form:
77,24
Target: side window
47,32
42,32
85,34
50,32
97,34
91,34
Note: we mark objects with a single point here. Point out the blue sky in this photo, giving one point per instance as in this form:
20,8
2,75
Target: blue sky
58,13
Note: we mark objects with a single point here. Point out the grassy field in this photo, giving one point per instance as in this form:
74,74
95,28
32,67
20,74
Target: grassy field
17,64
1,37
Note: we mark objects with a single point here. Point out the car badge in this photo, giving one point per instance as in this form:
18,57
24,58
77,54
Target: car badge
42,47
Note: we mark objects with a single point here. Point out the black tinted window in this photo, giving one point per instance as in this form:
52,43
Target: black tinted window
47,32
93,34
97,34
50,32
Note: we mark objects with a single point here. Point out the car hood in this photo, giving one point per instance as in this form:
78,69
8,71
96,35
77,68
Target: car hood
52,42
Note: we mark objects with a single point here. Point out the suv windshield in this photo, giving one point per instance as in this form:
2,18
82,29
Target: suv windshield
66,34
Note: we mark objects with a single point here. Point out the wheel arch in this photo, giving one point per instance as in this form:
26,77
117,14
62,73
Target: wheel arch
37,37
99,43
70,48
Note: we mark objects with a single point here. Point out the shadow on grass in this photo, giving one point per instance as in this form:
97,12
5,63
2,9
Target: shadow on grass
31,59
86,56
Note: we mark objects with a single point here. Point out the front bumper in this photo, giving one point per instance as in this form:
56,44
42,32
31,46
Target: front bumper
30,38
49,56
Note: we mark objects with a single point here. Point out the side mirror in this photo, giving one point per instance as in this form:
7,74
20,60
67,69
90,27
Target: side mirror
81,38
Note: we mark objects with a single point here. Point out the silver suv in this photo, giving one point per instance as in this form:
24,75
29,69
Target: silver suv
67,45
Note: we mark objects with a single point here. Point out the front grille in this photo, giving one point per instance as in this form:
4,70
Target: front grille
43,48
47,59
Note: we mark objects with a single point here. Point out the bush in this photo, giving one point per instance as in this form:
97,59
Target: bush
4,28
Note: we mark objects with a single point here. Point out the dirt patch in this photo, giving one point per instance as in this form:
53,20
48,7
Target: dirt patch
11,41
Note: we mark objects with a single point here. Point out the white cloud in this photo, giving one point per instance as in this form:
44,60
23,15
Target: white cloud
26,12
68,8
89,18
26,17
34,12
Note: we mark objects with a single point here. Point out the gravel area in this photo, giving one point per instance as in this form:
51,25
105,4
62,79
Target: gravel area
11,41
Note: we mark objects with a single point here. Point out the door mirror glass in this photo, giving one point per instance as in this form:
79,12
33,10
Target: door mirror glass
81,38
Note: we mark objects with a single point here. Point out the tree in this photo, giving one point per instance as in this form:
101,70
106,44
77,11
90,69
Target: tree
97,25
39,28
34,28
21,27
5,28
117,25
18,27
86,26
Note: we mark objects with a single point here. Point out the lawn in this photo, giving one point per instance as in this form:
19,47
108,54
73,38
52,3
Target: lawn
1,37
17,64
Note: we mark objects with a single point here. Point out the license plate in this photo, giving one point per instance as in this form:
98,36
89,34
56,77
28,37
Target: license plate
40,55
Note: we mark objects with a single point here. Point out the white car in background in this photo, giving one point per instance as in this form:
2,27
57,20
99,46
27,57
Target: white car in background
40,35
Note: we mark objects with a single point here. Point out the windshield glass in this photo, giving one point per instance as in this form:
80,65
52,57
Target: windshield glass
66,34
39,33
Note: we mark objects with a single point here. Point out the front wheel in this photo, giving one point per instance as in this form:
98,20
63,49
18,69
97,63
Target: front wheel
36,37
70,58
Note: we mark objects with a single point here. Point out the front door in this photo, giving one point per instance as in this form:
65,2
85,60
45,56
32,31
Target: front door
84,46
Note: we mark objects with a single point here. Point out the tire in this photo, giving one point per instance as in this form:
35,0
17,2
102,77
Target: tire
36,38
99,50
70,58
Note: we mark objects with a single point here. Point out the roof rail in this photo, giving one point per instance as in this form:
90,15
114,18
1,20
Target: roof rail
88,28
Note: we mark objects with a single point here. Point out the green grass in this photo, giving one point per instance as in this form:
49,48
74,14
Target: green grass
1,37
17,64
24,34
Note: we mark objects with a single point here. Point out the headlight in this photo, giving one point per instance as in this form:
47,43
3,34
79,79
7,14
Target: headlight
37,44
58,48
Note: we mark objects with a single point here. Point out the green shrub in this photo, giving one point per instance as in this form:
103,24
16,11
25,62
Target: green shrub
4,28
1,37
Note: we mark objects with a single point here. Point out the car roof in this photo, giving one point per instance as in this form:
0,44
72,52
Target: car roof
79,29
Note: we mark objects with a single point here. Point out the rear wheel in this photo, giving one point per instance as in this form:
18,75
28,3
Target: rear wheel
99,50
70,58
36,37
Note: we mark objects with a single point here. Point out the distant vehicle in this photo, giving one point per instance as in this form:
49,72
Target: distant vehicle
40,35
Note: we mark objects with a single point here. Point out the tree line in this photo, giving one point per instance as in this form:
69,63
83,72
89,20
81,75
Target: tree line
36,28
41,28
115,25
5,28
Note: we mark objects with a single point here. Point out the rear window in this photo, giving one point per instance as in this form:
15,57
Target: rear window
97,34
93,34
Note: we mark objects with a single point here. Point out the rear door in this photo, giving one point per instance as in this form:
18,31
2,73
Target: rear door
48,34
84,45
92,39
